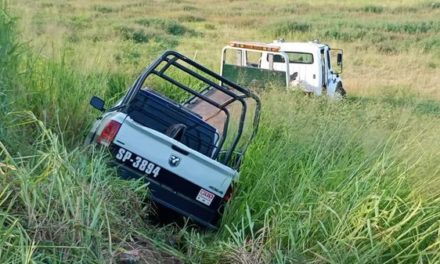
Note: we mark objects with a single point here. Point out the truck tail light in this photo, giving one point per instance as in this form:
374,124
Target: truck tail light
228,194
109,132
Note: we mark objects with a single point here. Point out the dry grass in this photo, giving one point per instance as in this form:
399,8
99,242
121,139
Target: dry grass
89,29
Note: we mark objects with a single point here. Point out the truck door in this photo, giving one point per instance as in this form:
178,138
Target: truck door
324,72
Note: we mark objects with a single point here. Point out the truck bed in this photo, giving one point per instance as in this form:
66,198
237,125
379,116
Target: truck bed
157,112
208,112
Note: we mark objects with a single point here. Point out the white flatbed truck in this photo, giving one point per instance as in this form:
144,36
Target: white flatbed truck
304,65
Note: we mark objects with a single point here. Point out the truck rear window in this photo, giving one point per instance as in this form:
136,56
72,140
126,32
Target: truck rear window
155,111
295,57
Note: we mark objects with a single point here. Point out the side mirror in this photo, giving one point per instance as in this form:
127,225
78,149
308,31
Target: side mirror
97,103
339,59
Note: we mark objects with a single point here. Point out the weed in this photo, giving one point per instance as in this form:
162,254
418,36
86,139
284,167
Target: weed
169,26
372,9
412,27
158,30
191,18
291,27
435,5
105,9
387,47
136,35
405,9
345,35
77,23
209,27
430,44
189,8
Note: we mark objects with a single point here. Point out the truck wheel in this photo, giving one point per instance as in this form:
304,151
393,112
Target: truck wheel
340,92
163,216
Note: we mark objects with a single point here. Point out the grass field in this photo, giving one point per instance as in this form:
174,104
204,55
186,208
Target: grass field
324,182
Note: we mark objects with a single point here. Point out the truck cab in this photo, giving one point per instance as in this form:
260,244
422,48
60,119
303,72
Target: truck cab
307,65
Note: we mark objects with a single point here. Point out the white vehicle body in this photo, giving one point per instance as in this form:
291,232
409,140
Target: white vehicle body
180,147
306,65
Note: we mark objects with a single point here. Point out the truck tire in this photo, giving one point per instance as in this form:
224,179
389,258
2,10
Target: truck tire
340,92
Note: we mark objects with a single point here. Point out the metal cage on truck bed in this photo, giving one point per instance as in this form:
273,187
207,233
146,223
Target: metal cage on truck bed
184,129
215,114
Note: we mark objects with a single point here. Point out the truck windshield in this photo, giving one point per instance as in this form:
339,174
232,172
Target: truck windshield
296,57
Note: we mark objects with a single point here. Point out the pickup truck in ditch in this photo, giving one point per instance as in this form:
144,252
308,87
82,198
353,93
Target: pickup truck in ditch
184,129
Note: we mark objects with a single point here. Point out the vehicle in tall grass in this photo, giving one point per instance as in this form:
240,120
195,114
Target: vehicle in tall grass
306,65
184,129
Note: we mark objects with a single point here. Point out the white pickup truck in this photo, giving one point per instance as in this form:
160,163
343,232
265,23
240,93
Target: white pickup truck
184,129
307,65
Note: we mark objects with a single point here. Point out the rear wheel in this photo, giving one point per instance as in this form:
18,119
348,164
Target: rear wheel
162,215
340,93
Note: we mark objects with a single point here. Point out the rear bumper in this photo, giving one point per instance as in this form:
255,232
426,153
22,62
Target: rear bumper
166,196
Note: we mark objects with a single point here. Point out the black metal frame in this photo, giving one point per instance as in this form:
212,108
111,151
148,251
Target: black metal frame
341,51
172,58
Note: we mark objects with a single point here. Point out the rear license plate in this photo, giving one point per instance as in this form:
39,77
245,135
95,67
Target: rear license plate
205,197
137,162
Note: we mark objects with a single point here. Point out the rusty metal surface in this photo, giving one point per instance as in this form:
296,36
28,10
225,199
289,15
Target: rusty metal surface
210,113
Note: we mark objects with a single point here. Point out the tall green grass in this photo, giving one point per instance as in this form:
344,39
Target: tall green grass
323,182
57,94
59,204
332,183
8,55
